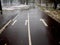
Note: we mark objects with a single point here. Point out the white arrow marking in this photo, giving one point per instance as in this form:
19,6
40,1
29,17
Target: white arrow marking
43,22
15,17
14,22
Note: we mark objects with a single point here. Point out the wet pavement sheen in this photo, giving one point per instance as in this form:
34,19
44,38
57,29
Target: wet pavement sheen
40,34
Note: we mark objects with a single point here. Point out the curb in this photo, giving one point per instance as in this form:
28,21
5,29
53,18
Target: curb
48,12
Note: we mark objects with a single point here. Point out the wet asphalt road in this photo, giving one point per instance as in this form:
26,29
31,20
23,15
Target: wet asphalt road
40,34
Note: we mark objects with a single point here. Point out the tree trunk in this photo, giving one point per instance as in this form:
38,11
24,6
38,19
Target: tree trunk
27,2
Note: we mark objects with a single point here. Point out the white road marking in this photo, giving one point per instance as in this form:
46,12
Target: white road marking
26,22
14,22
15,18
43,22
3,28
29,34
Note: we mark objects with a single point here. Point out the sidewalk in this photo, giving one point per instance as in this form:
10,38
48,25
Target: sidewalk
55,14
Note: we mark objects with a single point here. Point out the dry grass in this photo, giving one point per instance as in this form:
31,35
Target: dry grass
56,12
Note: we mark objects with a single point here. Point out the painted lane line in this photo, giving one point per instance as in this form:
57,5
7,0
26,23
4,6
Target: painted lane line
15,18
14,22
26,22
43,22
3,28
29,34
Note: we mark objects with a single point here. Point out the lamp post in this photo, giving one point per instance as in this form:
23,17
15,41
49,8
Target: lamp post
0,7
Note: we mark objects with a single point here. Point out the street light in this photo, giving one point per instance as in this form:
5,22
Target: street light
0,7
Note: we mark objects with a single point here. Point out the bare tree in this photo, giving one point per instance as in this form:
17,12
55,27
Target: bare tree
22,1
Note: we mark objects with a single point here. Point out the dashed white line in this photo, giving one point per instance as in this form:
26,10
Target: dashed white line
2,29
14,22
29,34
15,18
43,22
26,22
